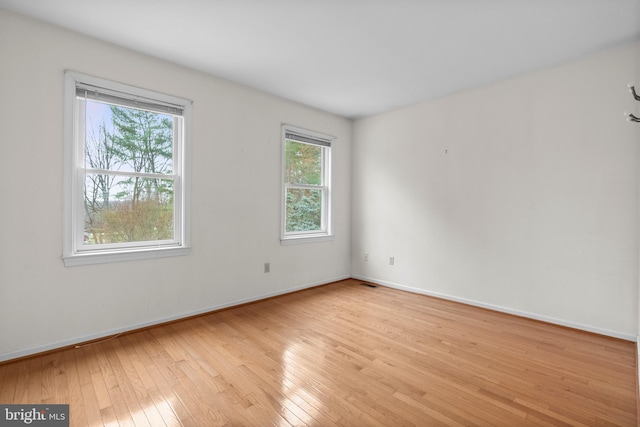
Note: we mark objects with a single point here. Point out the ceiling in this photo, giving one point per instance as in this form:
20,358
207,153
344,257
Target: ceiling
353,58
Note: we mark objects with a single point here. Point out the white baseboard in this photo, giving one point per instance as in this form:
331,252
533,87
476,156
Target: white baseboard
561,322
76,340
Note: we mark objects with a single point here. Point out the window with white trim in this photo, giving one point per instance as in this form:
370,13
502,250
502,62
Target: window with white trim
306,185
125,186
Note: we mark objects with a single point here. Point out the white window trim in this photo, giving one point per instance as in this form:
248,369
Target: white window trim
72,255
308,236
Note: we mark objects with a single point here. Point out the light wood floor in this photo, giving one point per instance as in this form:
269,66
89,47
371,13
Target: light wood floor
342,354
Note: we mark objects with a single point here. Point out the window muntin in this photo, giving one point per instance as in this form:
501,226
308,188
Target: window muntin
124,174
306,184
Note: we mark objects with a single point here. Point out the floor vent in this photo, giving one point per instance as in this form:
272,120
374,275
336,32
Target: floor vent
369,285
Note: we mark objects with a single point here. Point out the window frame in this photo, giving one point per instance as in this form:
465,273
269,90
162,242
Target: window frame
326,232
74,252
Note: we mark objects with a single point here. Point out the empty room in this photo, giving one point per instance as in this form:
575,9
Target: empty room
319,213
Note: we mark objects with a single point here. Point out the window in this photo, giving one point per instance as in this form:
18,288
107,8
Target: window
306,189
124,172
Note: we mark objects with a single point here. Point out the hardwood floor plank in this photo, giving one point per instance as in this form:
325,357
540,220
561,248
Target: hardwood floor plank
339,355
77,410
20,382
167,402
35,382
85,384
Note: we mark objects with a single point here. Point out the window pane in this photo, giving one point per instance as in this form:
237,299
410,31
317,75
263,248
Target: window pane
303,163
127,209
304,209
127,139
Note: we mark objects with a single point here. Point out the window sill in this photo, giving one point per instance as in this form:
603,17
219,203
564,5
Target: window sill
289,240
121,256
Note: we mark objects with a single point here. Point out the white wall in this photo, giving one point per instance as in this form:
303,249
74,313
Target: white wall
521,196
235,174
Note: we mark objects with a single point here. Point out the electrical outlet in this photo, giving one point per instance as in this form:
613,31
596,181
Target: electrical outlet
366,257
392,260
267,267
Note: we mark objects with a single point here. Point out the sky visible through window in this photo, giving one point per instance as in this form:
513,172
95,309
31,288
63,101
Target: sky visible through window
99,112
